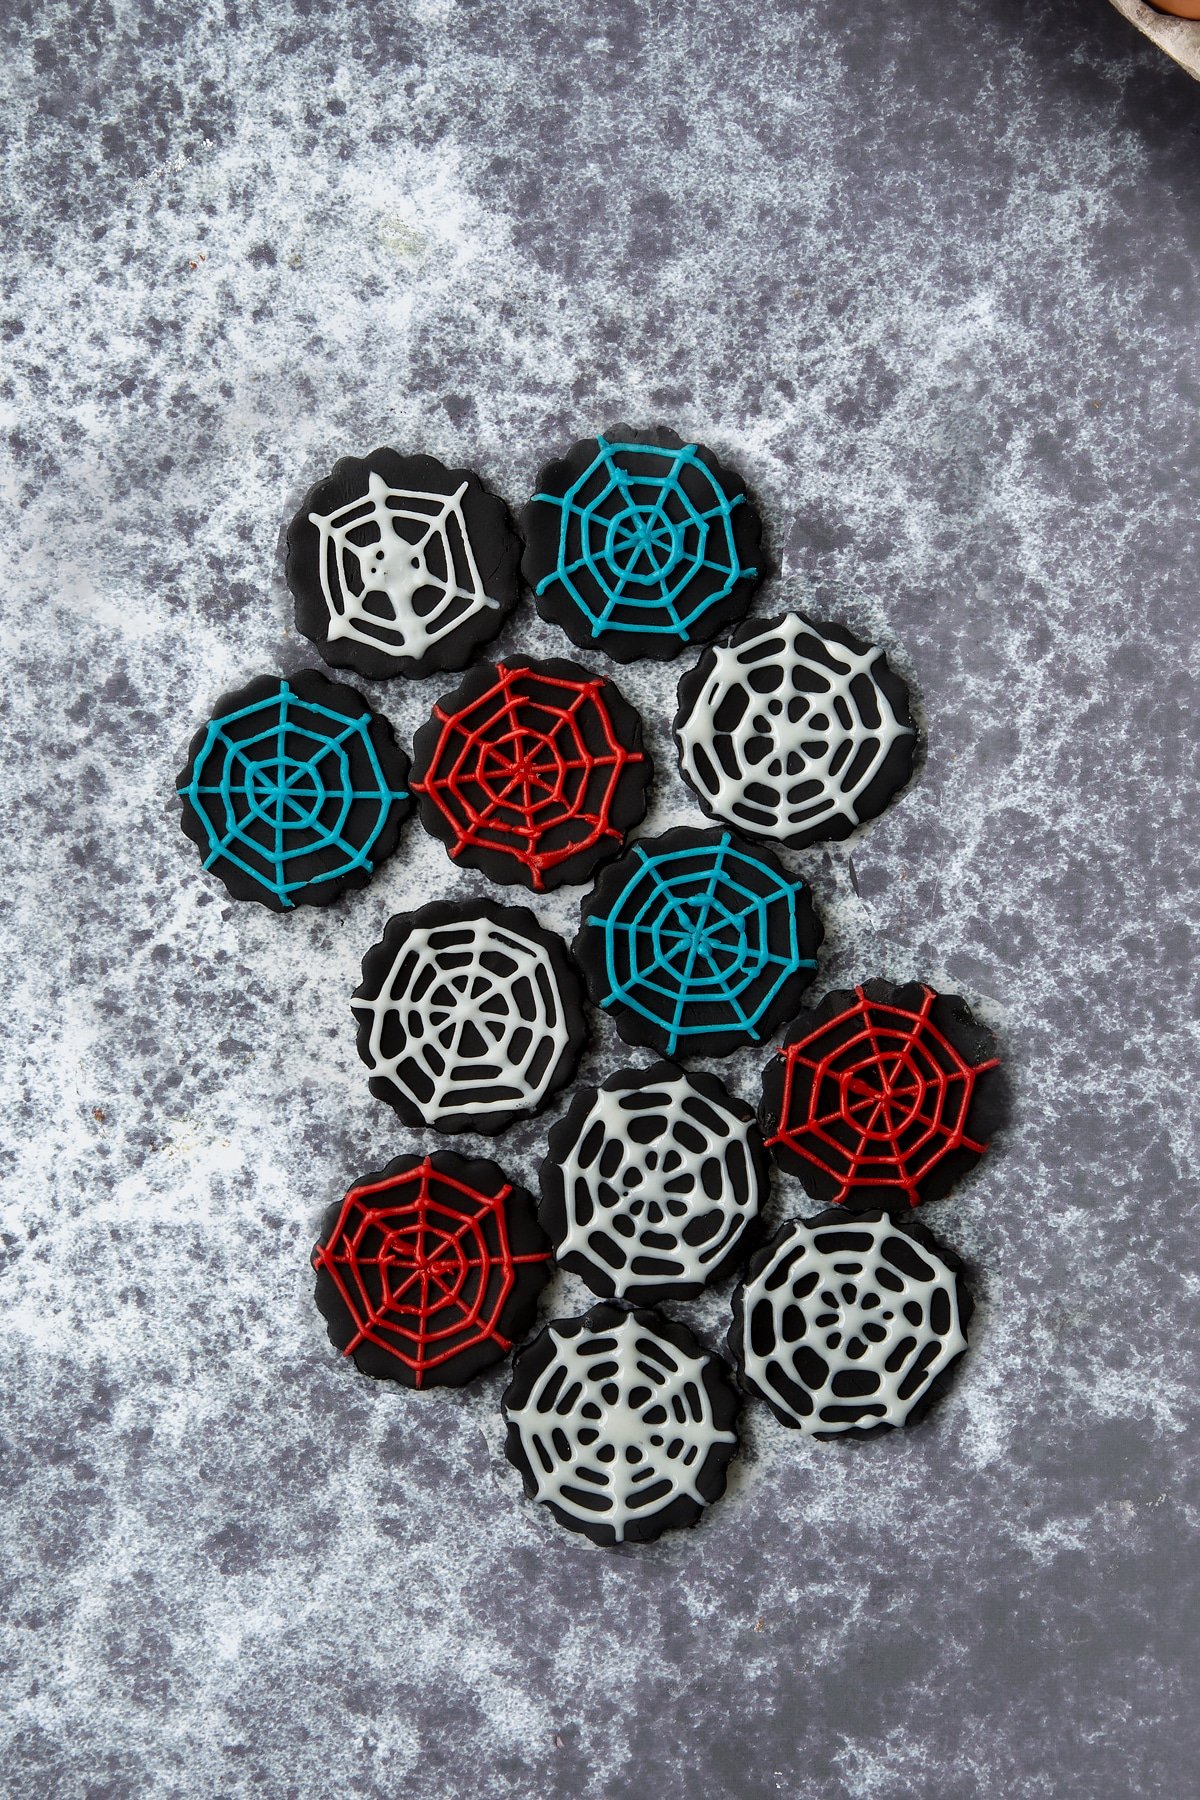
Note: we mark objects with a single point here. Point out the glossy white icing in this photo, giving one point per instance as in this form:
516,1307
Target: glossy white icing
473,1018
797,744
696,1166
616,1412
370,589
846,1306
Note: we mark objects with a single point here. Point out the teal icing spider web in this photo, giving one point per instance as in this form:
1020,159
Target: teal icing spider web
290,792
692,929
655,556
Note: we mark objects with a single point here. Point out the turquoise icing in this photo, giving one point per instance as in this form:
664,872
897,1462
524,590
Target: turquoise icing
692,928
266,801
643,542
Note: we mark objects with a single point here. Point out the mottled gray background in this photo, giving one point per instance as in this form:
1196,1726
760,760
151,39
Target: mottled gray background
929,274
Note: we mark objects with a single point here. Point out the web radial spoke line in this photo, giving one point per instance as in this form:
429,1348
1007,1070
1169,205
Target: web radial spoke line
299,818
621,478
618,592
354,728
581,562
868,1128
703,910
495,804
891,1134
446,1289
730,999
397,1294
235,835
658,964
422,1340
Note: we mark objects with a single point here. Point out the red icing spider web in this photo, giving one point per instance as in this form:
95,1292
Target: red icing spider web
424,1266
876,1097
529,770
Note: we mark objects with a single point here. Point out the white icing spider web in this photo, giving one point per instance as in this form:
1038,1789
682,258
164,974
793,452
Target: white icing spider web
469,1021
397,569
788,731
617,1426
657,1188
847,1324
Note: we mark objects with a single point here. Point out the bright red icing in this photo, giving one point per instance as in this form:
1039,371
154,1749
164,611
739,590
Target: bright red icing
529,770
876,1097
424,1265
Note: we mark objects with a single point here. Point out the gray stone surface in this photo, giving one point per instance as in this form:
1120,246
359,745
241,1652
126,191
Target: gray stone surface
930,276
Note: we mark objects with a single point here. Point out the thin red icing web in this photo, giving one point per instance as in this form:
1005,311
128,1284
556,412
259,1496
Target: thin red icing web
876,1097
424,1266
529,770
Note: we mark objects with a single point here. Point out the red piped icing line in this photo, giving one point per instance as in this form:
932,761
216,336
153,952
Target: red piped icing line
879,1107
423,1264
514,766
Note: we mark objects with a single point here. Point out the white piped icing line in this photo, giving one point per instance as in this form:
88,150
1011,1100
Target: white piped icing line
619,1424
791,761
474,1019
837,1335
649,1164
370,589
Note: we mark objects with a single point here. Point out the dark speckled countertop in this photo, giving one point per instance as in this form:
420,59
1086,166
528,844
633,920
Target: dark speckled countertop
930,275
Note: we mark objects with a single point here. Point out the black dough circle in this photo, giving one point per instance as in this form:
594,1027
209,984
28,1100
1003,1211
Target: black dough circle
294,791
906,1057
463,1226
430,1060
637,551
569,1415
652,1184
744,980
792,1373
583,740
461,537
736,734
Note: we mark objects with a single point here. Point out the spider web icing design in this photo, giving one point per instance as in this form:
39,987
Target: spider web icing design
397,568
611,1423
844,1326
291,792
652,1181
704,940
468,1027
529,772
873,1099
423,1265
785,731
645,541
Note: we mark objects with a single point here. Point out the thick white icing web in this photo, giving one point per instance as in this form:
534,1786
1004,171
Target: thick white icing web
788,731
397,569
658,1186
618,1425
469,1021
848,1323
